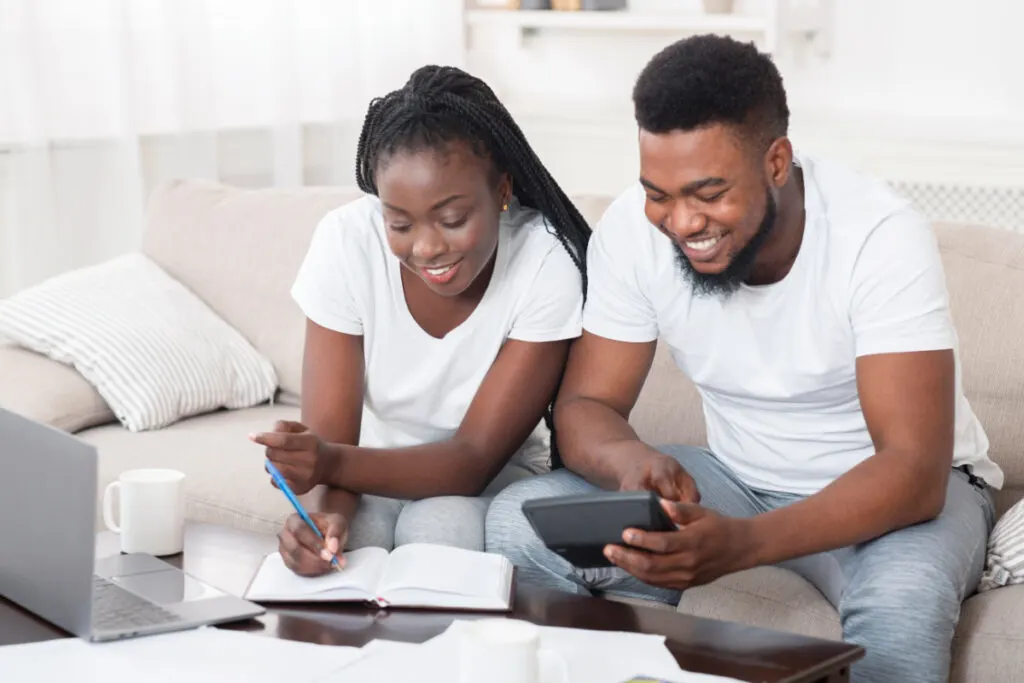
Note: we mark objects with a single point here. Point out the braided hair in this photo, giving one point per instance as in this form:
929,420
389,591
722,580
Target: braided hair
442,104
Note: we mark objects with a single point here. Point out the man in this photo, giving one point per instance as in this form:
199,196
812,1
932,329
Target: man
808,305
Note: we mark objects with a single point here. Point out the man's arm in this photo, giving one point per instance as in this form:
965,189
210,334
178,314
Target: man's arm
601,385
332,398
508,406
908,400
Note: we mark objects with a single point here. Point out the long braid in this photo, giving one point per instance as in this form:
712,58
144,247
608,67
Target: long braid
442,104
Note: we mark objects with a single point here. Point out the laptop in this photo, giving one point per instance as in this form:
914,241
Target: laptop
48,547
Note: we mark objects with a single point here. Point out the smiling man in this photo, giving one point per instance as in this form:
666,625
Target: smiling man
808,304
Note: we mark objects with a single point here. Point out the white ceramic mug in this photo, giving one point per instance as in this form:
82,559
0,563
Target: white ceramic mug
152,511
507,651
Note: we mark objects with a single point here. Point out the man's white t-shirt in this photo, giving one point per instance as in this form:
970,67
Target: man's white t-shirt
418,388
775,364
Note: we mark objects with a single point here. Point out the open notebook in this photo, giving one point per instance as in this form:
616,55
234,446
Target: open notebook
413,575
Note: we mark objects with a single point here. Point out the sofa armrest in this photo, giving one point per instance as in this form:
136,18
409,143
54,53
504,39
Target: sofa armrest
44,390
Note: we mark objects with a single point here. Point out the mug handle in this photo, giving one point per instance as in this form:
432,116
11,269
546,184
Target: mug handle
550,660
108,506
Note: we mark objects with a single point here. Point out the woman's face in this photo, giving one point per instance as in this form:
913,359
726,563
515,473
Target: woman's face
441,211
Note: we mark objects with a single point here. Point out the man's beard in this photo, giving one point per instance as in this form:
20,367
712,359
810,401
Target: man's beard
741,263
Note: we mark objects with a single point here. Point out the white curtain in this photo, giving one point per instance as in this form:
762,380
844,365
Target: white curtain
100,100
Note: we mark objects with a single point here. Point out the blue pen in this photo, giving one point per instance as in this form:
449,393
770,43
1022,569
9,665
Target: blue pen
286,490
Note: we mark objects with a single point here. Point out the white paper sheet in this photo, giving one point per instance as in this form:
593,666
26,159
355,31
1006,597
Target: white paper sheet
204,655
589,657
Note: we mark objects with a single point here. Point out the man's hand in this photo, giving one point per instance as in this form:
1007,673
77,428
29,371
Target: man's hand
299,454
303,552
654,471
706,546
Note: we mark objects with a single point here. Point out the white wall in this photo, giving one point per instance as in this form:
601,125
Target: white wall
927,90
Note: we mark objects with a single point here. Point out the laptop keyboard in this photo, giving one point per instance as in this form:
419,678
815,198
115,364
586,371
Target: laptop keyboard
114,608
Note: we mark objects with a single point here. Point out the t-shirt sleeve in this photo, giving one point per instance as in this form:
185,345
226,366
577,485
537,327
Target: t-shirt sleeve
617,305
899,301
323,286
554,303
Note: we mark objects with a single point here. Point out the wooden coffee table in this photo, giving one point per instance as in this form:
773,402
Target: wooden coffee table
228,559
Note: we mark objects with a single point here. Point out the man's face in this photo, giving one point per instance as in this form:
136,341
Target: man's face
708,193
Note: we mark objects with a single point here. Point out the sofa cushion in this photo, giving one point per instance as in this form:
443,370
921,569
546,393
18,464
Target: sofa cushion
985,277
153,350
770,597
987,645
224,478
239,251
46,391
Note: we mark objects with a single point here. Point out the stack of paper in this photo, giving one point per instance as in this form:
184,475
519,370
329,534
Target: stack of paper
210,655
587,656
206,655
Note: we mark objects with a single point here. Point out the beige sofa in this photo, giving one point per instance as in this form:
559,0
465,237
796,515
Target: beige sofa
239,249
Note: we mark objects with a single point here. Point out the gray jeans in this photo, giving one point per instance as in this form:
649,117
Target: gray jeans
444,520
898,596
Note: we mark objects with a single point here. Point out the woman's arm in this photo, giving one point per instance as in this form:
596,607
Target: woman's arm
332,398
508,406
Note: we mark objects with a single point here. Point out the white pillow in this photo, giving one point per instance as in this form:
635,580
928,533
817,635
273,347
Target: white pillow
1004,564
154,351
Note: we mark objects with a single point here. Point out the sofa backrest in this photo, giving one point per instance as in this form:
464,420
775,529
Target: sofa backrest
239,250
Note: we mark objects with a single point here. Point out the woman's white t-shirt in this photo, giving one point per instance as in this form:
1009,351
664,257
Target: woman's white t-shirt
418,388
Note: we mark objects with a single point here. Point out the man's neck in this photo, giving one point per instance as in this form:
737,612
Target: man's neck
780,252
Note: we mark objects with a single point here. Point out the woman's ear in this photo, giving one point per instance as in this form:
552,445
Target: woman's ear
504,191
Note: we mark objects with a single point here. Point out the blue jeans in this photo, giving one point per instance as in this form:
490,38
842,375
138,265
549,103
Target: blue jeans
898,596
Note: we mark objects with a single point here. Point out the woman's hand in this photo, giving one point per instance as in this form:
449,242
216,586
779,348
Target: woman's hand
303,552
302,458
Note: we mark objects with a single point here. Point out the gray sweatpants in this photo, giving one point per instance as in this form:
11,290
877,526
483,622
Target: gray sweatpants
898,596
444,520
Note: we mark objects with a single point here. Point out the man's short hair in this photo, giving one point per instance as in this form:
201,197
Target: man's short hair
712,79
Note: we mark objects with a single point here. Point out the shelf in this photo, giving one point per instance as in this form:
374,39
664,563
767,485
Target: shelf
624,20
808,23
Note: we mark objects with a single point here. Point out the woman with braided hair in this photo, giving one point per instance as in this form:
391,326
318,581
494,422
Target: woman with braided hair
440,309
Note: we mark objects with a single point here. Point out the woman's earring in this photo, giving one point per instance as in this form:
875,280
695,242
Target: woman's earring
504,207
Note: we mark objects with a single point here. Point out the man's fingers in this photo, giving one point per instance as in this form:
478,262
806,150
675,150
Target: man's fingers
643,565
651,568
689,490
683,513
664,491
657,541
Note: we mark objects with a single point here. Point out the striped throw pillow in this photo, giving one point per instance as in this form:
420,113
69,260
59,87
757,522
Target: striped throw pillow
154,351
1004,564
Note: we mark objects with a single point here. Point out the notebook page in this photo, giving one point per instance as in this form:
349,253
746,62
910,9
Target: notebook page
423,574
357,581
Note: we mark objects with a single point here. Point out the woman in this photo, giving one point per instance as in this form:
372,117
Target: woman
440,309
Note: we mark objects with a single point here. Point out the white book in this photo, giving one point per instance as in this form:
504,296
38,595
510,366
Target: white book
413,575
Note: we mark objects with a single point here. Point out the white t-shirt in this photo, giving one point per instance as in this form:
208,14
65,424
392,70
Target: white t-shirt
775,364
418,388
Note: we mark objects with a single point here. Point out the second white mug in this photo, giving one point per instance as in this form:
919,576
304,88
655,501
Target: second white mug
506,651
152,511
